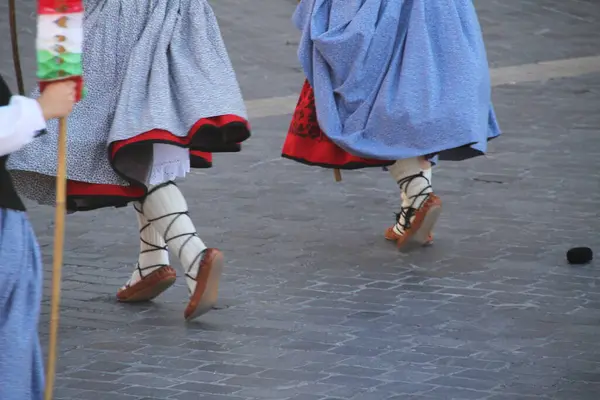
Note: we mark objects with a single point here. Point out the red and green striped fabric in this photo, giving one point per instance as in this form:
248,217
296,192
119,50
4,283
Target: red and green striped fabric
59,41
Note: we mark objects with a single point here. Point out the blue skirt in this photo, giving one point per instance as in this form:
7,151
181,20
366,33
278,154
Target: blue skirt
396,79
21,363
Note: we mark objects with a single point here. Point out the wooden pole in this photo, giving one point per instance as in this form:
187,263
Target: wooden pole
337,174
15,46
59,237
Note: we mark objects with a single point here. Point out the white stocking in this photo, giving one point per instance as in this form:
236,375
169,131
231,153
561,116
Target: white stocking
428,174
167,211
415,185
153,249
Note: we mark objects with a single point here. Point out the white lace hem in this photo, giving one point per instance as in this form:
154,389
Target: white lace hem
170,162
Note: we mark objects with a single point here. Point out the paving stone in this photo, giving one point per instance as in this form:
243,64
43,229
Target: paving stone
195,396
101,395
203,376
409,375
353,381
455,382
314,303
206,388
93,385
293,375
66,393
95,375
107,366
149,380
514,397
457,393
351,370
406,388
149,391
307,397
231,369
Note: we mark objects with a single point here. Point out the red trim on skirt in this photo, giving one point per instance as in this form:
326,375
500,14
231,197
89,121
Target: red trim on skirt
219,134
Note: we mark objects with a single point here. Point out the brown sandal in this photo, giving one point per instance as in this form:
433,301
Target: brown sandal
418,223
206,292
391,235
417,219
149,287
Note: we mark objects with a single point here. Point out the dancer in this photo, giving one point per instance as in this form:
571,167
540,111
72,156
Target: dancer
162,96
394,84
21,364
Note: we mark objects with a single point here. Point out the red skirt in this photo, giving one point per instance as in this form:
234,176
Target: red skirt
223,134
306,143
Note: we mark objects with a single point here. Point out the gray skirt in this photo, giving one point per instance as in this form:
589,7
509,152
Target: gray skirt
157,73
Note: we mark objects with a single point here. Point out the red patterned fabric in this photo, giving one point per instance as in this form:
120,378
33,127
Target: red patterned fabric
49,7
307,143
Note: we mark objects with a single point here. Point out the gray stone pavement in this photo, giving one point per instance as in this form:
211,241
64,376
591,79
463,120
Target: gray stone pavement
315,304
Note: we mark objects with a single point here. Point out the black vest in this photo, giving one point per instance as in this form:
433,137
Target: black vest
8,196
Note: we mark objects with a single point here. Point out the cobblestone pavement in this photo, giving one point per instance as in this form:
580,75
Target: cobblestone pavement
315,304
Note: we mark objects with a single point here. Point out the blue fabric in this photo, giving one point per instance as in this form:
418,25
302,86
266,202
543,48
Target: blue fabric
396,79
21,363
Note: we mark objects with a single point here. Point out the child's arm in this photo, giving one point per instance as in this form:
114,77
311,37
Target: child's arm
19,123
23,118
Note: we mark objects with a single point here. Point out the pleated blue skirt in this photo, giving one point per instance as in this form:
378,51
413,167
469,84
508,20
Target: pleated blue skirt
396,79
21,363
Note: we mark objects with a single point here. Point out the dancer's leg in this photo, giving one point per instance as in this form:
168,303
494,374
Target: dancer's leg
420,207
152,274
390,233
167,211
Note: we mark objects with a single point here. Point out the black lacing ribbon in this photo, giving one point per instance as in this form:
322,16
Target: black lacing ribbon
153,248
190,235
405,214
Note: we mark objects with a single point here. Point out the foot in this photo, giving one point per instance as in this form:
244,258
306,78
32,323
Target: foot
391,235
142,287
204,294
415,225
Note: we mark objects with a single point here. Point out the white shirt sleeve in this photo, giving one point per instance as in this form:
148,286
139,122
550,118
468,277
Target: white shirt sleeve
19,123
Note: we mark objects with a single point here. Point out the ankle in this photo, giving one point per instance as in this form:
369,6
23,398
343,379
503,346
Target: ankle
416,189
